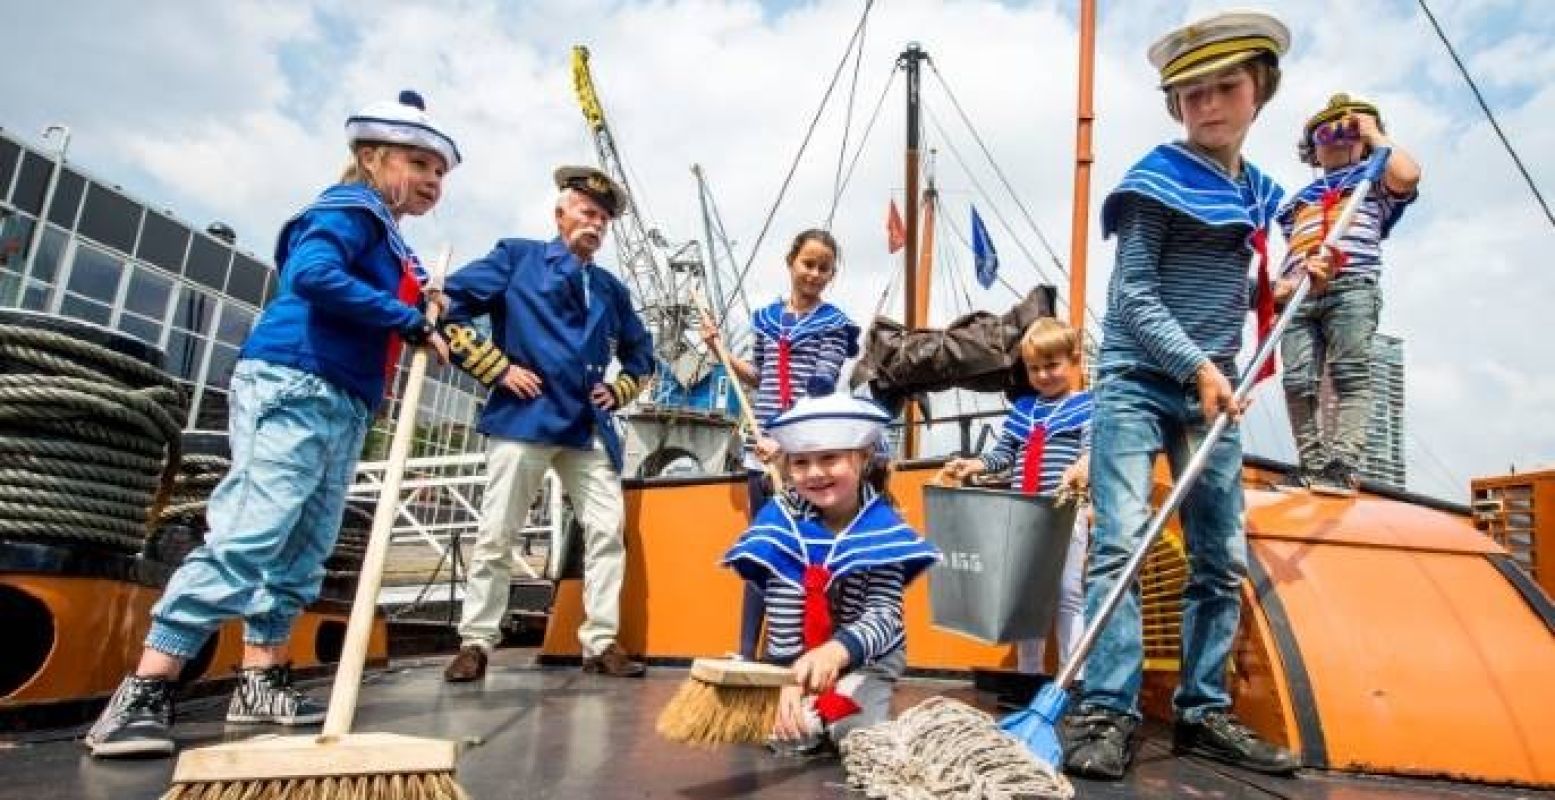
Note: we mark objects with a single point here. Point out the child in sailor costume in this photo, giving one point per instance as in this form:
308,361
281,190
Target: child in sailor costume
303,391
832,558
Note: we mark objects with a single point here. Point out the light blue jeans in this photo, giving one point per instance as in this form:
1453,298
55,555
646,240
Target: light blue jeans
295,439
1332,333
1139,414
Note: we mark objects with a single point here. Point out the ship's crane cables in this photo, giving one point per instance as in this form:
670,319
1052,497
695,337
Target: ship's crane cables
1489,115
847,125
815,120
863,140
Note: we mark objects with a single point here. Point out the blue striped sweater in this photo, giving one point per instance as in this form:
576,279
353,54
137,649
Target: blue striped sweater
1067,421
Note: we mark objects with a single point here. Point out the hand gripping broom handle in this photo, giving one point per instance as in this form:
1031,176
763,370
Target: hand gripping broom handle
1190,474
746,412
353,656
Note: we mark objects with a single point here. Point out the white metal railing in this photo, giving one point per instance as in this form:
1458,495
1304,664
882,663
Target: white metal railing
441,500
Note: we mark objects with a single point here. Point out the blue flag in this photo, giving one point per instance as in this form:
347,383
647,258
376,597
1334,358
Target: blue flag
983,252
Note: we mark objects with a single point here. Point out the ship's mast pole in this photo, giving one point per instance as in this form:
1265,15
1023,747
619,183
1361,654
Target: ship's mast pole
910,61
1085,116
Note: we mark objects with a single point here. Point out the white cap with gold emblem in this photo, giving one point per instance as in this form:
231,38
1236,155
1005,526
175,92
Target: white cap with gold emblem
1216,42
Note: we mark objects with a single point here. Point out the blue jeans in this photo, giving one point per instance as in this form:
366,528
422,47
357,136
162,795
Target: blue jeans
295,439
1139,414
1332,333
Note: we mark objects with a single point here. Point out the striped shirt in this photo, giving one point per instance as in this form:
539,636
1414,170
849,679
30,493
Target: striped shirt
1179,293
1067,421
820,341
1302,222
866,607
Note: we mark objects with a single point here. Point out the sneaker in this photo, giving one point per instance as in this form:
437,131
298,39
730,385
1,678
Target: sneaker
615,663
1222,737
138,720
469,665
1338,479
1098,743
266,694
1296,480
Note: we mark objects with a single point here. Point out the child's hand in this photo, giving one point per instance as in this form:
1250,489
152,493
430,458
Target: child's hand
766,449
708,330
1320,268
817,670
1077,479
962,468
1215,394
1370,132
790,724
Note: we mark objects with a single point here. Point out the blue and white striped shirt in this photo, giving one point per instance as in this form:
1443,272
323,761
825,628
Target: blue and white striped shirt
820,340
1067,421
1302,221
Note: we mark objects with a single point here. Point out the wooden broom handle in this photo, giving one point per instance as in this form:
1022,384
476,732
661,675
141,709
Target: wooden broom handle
746,411
353,656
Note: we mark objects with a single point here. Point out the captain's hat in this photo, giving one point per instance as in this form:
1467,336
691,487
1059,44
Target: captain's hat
594,183
823,421
1217,42
1340,106
404,122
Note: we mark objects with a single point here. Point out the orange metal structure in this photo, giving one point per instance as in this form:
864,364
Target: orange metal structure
1377,635
1518,512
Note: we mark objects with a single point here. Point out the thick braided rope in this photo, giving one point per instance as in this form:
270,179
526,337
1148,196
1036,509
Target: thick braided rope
943,749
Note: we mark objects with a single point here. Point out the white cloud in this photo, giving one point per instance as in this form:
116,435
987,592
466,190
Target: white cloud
234,110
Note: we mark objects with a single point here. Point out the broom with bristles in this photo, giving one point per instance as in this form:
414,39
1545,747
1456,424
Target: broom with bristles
338,764
726,701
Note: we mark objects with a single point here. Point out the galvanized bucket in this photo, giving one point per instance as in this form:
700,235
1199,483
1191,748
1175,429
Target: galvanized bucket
1004,558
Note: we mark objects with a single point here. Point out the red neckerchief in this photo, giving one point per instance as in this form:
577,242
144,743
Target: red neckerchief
409,293
785,392
830,705
1263,300
1331,200
1031,468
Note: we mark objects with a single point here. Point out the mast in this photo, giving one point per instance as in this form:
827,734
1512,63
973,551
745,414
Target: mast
1085,116
926,253
910,60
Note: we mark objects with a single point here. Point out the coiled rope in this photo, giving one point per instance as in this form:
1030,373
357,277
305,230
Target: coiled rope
89,440
943,749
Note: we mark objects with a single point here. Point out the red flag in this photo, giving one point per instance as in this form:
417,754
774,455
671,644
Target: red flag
895,229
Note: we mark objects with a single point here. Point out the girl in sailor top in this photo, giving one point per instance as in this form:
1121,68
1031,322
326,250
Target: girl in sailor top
832,558
797,340
1046,441
303,392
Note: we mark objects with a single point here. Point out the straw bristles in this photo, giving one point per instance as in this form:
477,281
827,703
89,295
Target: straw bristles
704,715
423,786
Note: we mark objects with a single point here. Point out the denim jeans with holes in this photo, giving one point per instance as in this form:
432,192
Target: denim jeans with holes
1139,414
295,440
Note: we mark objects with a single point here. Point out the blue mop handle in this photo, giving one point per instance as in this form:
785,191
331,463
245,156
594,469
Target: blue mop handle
1190,474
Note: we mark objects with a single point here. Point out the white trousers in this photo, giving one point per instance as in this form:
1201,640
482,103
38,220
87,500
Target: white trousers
1069,620
515,473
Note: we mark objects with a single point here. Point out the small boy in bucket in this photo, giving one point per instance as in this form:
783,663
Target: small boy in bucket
832,559
1046,440
1189,217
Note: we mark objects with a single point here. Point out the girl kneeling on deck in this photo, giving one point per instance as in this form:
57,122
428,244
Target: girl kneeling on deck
832,558
309,376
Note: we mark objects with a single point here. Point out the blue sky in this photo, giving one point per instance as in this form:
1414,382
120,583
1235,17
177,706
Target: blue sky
232,111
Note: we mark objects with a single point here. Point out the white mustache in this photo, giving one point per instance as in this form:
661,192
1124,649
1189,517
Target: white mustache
586,231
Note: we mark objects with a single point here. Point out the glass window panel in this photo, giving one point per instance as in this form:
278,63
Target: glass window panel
212,415
247,281
223,359
235,324
146,330
148,293
10,284
184,353
110,218
67,199
84,309
32,182
208,262
15,234
10,153
163,242
193,310
36,297
95,274
46,265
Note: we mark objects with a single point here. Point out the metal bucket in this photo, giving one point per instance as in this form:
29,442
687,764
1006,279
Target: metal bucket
1004,559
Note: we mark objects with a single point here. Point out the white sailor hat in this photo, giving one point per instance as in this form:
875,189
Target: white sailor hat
1216,42
405,122
829,422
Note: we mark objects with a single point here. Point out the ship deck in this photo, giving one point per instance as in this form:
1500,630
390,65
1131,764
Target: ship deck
552,732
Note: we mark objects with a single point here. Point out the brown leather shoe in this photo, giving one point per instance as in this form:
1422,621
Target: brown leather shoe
615,663
469,665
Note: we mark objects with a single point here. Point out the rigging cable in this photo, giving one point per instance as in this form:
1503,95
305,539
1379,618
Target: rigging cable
799,156
847,127
863,140
1489,115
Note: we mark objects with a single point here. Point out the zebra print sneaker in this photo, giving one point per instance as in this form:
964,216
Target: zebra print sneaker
136,722
266,694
